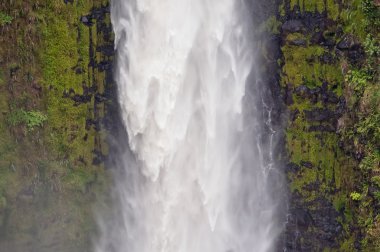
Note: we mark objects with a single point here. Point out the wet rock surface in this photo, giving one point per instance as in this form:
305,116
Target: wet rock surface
315,104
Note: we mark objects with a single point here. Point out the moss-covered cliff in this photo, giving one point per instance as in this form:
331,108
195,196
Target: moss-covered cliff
55,71
330,85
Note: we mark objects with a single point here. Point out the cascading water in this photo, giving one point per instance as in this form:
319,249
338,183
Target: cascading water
197,176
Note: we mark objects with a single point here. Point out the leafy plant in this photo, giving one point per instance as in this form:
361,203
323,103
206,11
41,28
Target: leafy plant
369,127
355,196
376,181
358,78
31,119
371,46
369,162
377,195
34,119
372,49
371,11
5,19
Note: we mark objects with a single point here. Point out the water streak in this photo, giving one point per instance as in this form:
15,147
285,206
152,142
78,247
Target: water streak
196,179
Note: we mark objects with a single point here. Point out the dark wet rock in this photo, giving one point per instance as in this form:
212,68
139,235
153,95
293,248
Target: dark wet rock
303,218
86,20
105,29
313,230
292,26
99,157
79,70
100,98
373,190
107,50
341,106
359,155
327,58
330,42
104,65
306,164
292,167
319,115
294,114
13,71
288,96
81,99
330,97
272,48
322,128
307,93
298,42
312,186
90,123
348,42
303,91
99,13
356,56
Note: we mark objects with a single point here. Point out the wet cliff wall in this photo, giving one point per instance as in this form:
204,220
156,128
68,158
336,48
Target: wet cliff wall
330,86
55,88
321,61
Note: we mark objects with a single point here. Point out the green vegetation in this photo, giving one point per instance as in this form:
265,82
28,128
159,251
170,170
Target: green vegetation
358,79
5,19
355,196
48,181
371,12
31,119
271,25
338,166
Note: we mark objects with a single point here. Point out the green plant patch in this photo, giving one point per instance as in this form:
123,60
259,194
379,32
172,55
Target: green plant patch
5,19
31,119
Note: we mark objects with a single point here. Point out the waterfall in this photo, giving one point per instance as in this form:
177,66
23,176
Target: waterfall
196,177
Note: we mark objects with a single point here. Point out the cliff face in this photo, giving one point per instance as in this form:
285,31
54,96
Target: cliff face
330,86
320,62
55,83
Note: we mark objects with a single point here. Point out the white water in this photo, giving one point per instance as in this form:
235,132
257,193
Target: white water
197,177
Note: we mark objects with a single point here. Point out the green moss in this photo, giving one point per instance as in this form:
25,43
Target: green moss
354,19
300,64
78,179
271,25
62,52
47,179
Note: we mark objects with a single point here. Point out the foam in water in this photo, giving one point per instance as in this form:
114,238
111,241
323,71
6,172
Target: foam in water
200,180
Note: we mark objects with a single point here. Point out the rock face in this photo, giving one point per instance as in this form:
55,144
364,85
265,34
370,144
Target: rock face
322,169
58,74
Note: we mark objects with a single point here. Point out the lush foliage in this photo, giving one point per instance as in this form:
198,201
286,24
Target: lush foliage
31,119
371,12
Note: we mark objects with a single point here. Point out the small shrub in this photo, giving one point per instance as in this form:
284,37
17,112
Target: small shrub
371,11
359,79
377,195
5,19
34,119
31,119
355,196
369,127
376,181
371,46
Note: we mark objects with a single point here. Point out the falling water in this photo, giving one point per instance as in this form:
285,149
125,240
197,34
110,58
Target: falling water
196,178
